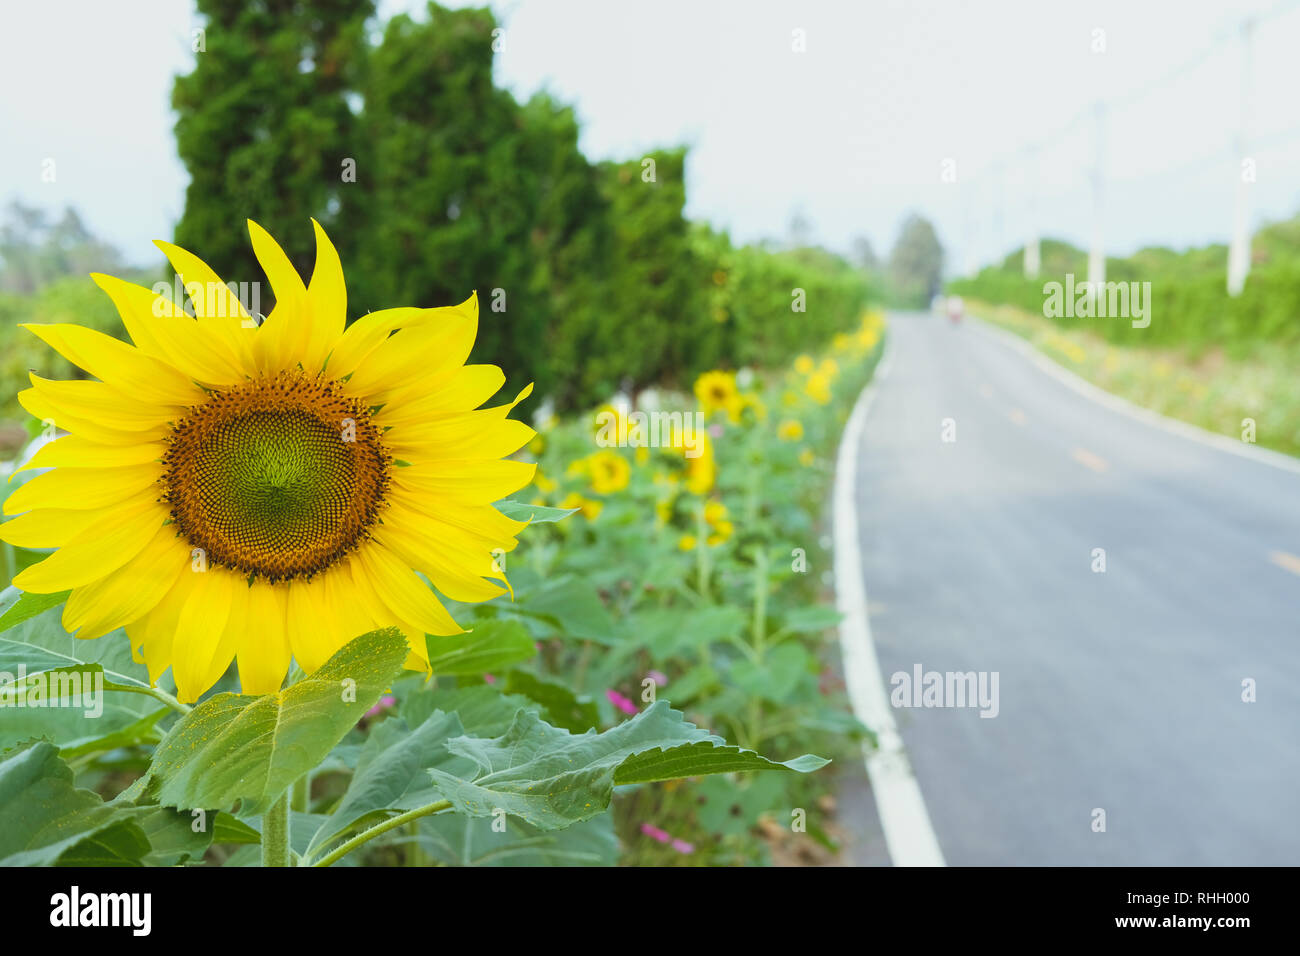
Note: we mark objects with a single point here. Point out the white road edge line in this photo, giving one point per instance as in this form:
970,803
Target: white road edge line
903,818
1098,394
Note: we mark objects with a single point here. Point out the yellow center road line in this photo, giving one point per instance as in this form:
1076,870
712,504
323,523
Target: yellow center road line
1017,416
1087,458
1283,560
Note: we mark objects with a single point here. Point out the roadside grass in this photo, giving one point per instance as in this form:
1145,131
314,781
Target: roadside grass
1217,389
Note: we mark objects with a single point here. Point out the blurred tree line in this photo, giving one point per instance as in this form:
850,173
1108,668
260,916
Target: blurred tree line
432,181
35,250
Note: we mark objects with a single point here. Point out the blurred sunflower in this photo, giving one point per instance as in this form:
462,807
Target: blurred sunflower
589,507
702,470
790,430
716,391
229,490
720,527
609,472
818,387
751,402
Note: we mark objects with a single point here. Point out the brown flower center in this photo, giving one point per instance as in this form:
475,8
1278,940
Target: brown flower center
278,477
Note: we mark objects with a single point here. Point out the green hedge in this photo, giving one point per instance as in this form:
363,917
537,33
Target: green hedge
1190,305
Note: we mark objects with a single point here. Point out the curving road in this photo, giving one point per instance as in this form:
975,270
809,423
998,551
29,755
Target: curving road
1119,691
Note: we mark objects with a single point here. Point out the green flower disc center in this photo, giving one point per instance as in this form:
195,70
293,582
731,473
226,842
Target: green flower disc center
279,478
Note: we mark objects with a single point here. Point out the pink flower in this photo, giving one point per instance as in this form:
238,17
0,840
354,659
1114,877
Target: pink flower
385,703
489,679
655,833
621,702
659,677
715,431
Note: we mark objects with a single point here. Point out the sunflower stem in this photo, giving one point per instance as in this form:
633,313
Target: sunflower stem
275,833
343,849
761,585
156,693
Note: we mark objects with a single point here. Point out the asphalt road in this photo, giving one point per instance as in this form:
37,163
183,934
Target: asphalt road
1120,691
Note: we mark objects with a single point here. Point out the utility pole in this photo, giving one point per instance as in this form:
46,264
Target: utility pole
1097,250
1239,250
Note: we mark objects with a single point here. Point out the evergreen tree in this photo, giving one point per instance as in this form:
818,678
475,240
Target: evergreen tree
264,126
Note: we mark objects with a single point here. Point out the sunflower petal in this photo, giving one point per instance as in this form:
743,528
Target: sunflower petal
161,329
87,400
47,527
475,482
367,333
283,337
403,593
310,626
327,301
463,389
81,488
211,297
117,537
413,354
131,591
119,364
466,436
264,651
53,415
201,632
75,451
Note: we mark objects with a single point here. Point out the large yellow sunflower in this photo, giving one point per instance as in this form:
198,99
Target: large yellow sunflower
234,491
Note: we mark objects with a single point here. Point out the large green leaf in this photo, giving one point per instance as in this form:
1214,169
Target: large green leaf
456,840
669,631
250,749
572,608
705,757
390,762
551,778
492,645
483,711
143,731
41,644
175,836
560,706
45,820
40,648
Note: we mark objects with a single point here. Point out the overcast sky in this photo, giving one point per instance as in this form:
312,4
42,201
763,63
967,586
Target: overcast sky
854,132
